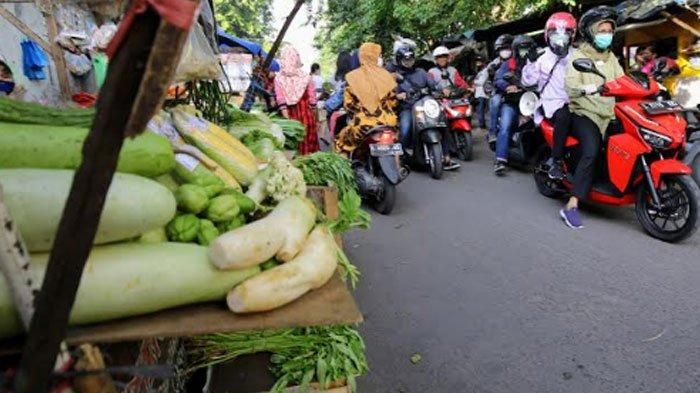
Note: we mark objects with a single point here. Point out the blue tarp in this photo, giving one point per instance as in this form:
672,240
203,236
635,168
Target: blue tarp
227,40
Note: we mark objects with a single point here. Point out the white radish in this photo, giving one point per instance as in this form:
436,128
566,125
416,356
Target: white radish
281,233
273,288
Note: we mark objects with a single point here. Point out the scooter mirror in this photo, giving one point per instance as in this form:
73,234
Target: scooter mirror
588,66
585,65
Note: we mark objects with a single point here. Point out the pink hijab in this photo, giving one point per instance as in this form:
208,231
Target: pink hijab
292,78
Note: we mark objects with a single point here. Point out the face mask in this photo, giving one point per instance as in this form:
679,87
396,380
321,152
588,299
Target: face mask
505,53
559,39
408,63
695,61
603,40
380,62
7,87
522,52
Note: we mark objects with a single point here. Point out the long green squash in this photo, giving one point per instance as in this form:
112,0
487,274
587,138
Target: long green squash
36,197
134,279
16,111
53,147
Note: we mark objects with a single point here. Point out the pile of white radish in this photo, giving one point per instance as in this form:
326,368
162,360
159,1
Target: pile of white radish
309,260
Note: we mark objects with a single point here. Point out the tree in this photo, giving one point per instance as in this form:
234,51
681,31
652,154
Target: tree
347,23
249,19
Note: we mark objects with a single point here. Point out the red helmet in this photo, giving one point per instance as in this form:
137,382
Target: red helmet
559,32
560,21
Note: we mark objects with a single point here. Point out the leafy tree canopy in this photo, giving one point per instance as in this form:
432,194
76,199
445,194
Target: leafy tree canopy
249,19
348,23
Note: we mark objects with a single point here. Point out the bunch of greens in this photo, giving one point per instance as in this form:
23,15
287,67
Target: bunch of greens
262,144
351,214
327,169
299,356
293,130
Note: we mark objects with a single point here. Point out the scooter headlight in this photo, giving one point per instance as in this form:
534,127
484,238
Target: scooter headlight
431,108
654,139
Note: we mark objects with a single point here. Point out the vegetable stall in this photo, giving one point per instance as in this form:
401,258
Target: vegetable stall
207,232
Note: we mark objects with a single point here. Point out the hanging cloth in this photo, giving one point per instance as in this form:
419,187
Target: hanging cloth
99,63
34,59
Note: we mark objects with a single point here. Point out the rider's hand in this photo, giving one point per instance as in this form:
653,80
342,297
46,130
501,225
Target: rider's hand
589,89
401,96
512,89
398,76
532,54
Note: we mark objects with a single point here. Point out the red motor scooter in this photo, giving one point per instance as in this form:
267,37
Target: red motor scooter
458,113
642,164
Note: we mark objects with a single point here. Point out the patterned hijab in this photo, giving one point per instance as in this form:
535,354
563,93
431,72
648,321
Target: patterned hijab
292,78
370,83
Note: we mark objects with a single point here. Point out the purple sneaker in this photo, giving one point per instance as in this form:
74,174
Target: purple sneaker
571,218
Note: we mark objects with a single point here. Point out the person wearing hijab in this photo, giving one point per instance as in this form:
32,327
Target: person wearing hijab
296,97
369,98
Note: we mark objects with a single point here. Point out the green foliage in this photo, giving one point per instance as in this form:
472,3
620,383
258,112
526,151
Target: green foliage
348,23
249,19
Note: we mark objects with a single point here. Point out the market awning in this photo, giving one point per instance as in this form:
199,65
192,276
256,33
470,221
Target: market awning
227,40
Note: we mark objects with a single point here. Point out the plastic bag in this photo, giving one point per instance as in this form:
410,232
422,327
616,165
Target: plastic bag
77,64
34,59
102,36
198,60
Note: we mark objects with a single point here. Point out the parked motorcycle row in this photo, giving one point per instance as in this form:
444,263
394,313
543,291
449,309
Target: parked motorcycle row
651,153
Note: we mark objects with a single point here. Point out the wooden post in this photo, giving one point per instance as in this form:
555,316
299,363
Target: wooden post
136,83
57,55
14,265
260,70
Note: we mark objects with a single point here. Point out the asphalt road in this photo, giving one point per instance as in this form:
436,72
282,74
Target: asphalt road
478,275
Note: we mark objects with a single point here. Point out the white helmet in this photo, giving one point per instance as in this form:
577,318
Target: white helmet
441,51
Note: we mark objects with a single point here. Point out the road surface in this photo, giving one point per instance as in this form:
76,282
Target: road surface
478,276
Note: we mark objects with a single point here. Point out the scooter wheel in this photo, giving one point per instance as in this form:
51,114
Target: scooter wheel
465,145
677,219
545,185
384,204
436,160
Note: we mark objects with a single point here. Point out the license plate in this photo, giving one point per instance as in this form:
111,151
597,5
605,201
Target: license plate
657,107
381,150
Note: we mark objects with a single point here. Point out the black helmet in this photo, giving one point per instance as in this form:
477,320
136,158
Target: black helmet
405,57
522,42
503,41
594,16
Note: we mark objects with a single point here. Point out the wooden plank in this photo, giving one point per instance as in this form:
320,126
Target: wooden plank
15,265
76,232
57,55
26,30
331,304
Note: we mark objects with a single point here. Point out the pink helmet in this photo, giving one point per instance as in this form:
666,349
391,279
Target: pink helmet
560,21
559,32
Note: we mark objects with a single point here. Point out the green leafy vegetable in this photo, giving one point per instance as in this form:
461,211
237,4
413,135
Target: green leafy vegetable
293,130
299,356
258,135
351,214
327,169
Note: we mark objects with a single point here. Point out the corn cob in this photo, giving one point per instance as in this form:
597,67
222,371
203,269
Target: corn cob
199,133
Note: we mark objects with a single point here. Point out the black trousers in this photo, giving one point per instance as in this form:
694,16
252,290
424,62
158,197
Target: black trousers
561,120
590,142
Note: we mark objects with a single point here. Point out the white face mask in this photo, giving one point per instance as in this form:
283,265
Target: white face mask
505,53
380,62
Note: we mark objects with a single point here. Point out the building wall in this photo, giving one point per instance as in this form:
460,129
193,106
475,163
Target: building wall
46,91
